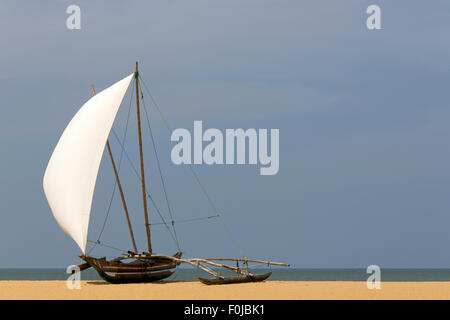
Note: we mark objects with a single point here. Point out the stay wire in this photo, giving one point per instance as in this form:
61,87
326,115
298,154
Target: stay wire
186,220
195,174
139,178
160,172
107,246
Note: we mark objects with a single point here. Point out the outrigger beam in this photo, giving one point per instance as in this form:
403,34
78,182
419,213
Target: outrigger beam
251,260
200,263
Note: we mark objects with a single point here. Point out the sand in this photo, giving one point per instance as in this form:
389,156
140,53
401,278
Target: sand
278,290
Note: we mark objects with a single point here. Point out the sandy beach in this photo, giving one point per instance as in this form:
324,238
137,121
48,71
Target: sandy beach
277,290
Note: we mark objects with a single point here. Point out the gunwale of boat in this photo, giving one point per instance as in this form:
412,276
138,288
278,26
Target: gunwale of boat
135,265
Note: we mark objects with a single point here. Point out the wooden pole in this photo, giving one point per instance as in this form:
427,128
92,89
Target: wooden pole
144,194
251,260
120,189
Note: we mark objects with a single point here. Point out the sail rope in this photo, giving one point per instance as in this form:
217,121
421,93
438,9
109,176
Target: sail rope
106,246
139,178
115,181
123,151
160,172
185,220
121,142
227,230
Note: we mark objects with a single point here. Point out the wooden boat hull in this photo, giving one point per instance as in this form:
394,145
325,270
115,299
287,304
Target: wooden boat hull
239,279
137,271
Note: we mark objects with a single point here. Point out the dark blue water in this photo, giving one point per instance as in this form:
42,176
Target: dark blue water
288,274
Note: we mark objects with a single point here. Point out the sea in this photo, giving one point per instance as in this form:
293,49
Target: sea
289,274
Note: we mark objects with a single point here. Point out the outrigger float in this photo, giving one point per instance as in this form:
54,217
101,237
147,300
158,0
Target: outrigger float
69,183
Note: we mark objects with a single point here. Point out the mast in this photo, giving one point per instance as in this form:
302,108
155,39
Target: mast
120,189
144,194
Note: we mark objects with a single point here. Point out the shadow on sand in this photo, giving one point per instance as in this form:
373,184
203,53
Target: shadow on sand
105,283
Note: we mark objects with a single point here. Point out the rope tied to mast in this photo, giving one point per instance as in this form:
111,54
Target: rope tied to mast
195,174
139,178
203,189
160,171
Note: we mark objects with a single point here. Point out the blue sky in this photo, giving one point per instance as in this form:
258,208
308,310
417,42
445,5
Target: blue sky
363,117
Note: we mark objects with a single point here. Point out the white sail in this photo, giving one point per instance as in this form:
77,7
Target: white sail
71,174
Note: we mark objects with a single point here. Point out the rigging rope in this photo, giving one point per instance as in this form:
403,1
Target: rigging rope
186,220
195,174
123,151
139,178
105,245
160,172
